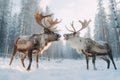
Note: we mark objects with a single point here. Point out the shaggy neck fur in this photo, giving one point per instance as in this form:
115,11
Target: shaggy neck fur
77,43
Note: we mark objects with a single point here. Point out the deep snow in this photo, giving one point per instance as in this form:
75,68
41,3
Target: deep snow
58,70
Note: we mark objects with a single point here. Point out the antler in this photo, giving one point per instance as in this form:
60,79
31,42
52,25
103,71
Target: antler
84,24
52,22
72,24
39,17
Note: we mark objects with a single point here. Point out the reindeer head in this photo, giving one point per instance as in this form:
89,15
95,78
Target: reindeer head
74,32
48,23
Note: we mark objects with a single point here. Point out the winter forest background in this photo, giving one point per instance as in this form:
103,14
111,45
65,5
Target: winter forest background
19,20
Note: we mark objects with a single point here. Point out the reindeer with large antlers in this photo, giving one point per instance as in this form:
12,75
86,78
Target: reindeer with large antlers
89,47
37,43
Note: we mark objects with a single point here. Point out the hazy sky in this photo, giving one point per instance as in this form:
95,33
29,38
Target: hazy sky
68,11
73,10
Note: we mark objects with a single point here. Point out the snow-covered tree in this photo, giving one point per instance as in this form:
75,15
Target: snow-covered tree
114,26
5,18
28,23
100,22
107,24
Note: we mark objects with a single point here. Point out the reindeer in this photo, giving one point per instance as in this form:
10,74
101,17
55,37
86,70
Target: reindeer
89,47
36,43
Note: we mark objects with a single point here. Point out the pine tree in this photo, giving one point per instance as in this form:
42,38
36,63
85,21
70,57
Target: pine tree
4,25
114,27
100,23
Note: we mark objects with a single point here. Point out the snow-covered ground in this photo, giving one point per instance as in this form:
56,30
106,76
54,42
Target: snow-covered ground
58,70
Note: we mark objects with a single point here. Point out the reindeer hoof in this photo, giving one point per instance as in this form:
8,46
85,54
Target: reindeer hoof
37,67
28,69
24,66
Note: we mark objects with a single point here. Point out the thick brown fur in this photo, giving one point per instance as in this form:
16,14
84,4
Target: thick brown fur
36,44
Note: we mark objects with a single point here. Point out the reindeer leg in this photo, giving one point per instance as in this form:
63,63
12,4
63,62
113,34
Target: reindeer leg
107,60
22,59
87,59
13,54
37,55
30,59
37,60
87,62
93,61
111,57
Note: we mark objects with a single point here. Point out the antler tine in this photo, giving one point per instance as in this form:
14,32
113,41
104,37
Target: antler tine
53,28
68,29
84,24
72,24
89,21
52,22
38,16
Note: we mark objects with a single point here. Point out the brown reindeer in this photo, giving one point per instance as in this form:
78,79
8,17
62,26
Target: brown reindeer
36,43
89,47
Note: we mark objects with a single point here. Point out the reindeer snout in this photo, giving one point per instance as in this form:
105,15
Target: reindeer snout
59,35
65,36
